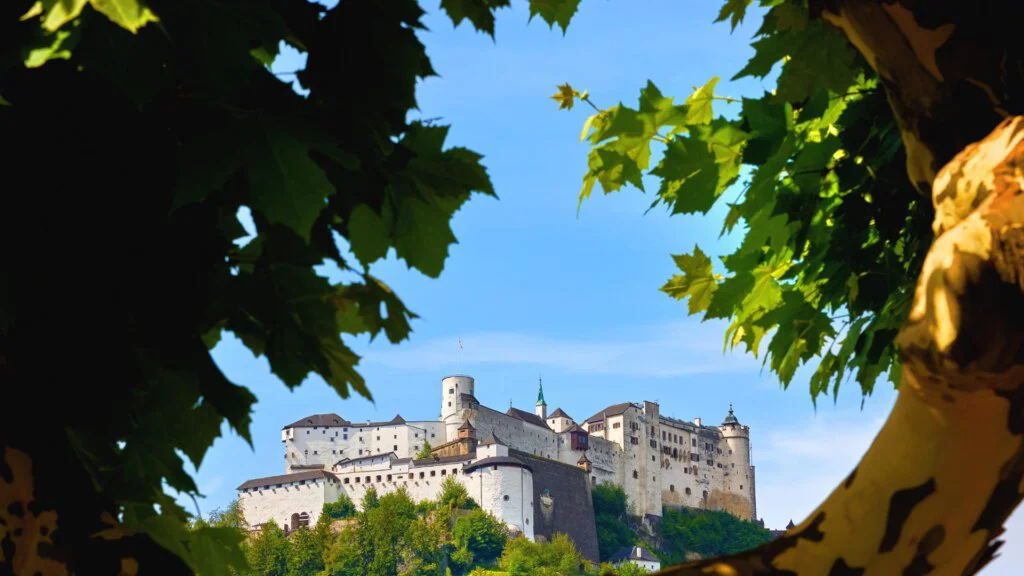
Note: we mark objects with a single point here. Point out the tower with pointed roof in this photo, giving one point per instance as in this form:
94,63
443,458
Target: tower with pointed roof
542,406
737,440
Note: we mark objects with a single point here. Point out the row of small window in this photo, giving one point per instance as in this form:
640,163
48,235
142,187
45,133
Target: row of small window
360,453
345,436
411,476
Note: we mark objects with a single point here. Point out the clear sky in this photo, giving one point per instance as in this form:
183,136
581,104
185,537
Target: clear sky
532,289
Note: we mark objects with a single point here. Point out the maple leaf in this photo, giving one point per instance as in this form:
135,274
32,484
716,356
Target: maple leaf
565,97
698,282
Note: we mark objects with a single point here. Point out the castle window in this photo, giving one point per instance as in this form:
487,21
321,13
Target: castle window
357,480
733,465
693,441
344,429
494,467
505,497
671,487
527,520
378,438
307,451
593,480
325,431
360,451
331,438
686,470
335,433
449,404
368,480
451,390
443,472
664,435
396,446
615,425
652,458
688,491
378,477
307,432
431,434
345,481
741,486
455,471
334,451
635,475
421,475
396,437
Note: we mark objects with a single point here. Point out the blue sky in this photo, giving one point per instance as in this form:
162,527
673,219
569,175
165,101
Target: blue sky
532,289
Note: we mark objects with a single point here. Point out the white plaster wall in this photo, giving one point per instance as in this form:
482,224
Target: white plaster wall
490,488
433,432
451,388
423,482
275,504
319,446
650,566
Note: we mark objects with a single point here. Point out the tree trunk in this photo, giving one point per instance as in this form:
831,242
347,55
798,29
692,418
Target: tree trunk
935,487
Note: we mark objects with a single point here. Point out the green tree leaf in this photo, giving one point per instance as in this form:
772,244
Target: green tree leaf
128,14
479,12
698,282
286,185
699,104
554,11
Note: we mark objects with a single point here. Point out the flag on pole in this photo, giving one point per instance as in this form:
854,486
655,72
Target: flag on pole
460,343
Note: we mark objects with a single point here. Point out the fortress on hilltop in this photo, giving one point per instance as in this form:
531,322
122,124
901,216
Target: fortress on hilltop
532,470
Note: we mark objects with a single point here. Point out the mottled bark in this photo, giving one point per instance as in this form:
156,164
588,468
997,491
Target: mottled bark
935,487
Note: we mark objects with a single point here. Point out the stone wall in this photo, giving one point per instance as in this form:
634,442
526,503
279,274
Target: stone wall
563,503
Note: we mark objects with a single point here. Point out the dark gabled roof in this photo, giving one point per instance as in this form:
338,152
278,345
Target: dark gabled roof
347,461
319,420
396,420
463,397
558,413
307,467
631,554
448,443
496,461
583,459
527,417
491,438
613,410
442,460
286,478
466,426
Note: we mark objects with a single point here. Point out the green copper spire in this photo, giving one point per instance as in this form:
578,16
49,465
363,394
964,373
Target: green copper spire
540,392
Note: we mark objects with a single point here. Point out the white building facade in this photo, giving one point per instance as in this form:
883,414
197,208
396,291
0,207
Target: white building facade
658,461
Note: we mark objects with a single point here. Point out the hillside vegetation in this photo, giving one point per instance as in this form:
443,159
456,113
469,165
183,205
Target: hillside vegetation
452,536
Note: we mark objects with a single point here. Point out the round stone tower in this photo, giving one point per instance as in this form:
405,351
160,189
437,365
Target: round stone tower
737,438
452,387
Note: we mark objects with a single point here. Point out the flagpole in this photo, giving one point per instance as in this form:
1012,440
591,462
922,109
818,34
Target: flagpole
458,358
